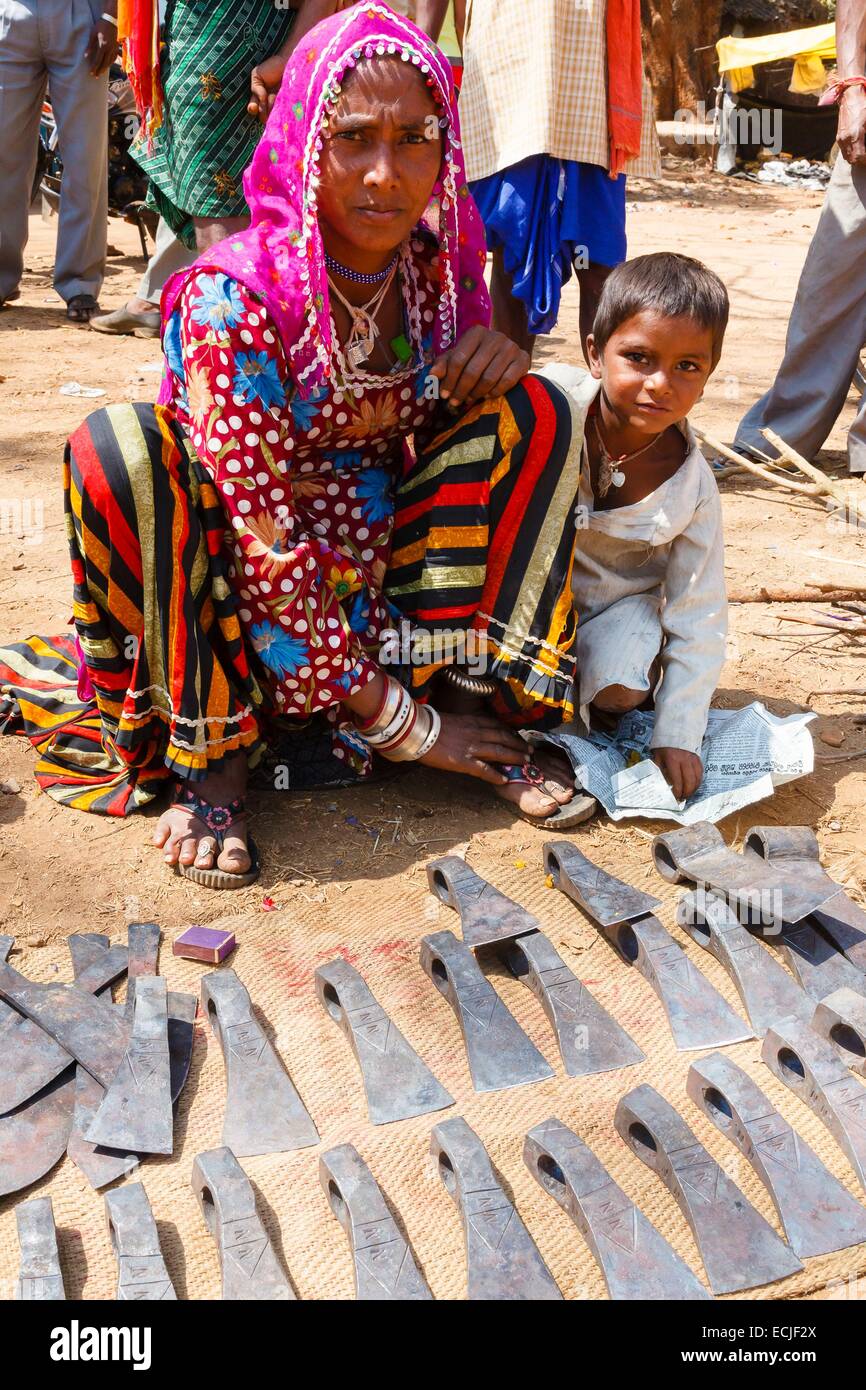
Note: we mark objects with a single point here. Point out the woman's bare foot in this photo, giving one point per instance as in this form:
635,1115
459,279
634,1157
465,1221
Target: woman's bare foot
184,837
558,788
555,767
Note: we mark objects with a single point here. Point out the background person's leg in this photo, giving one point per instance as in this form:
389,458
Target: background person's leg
827,329
140,315
169,256
509,312
857,441
591,281
80,103
22,88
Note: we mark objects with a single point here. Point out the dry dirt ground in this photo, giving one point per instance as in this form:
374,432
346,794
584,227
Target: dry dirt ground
351,857
57,868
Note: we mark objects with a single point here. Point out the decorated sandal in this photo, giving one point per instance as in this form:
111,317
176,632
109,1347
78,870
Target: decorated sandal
581,807
218,820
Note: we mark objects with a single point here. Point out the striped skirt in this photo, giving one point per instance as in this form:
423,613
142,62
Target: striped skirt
160,678
483,547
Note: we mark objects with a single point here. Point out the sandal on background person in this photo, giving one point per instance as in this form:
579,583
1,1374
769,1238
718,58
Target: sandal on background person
123,321
81,308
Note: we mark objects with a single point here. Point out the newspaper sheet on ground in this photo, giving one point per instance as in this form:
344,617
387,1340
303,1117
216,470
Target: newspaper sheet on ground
746,753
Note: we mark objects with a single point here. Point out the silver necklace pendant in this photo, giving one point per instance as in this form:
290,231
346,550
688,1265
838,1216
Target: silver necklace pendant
617,478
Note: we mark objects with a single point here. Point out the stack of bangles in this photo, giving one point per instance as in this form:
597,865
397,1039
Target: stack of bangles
401,730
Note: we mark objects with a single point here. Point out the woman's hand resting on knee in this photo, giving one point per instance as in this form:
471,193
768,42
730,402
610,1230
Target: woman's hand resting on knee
483,363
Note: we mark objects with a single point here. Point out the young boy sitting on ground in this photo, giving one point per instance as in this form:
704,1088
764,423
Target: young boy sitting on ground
649,583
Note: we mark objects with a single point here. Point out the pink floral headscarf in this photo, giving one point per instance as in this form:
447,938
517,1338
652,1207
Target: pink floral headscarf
281,256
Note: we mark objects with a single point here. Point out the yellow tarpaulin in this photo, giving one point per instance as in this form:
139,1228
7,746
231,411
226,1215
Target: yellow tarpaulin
807,47
448,37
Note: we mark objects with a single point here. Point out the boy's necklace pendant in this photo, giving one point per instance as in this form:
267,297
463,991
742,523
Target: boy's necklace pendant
610,473
609,476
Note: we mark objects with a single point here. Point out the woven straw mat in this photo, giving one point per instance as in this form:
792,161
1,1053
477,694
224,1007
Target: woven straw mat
276,957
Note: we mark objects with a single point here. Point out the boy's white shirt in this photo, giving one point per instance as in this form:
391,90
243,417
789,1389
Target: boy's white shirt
670,546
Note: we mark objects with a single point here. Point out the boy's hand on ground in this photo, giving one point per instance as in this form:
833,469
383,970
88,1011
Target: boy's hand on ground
474,744
682,771
482,364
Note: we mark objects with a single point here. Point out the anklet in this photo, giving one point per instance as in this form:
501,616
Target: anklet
468,683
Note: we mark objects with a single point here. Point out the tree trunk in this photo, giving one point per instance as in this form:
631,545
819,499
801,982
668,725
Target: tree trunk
679,43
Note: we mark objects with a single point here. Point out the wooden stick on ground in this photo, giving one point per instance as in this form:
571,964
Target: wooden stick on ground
825,485
838,690
840,757
848,629
835,560
807,646
820,485
826,587
818,593
780,479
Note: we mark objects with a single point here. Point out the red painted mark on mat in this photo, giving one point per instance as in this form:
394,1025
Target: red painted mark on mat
295,976
345,951
298,977
399,949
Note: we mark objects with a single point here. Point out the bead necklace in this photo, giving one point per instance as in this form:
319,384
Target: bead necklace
358,276
610,472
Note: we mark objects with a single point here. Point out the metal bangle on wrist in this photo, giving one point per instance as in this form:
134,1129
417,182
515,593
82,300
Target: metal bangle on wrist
403,730
433,734
392,719
419,738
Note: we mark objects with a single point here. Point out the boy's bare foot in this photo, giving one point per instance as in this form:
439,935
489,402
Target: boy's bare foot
186,839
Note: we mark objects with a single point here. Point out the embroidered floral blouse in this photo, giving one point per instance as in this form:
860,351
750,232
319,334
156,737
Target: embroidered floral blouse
307,484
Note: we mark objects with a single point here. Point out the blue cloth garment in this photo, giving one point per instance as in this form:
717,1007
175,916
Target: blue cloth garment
545,211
